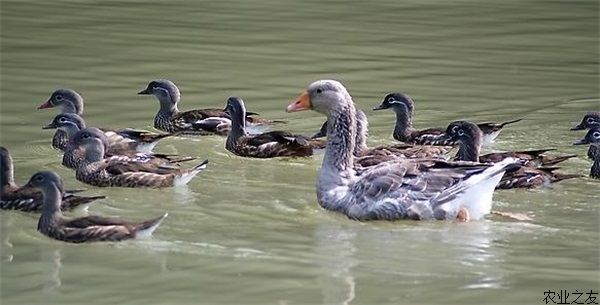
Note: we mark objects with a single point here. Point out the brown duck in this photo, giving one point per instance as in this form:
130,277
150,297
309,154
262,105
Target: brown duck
85,229
13,197
266,145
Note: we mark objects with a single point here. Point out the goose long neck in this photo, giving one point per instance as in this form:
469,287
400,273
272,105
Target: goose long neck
238,127
341,131
362,130
403,123
469,148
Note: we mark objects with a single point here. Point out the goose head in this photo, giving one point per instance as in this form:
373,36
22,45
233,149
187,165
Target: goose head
398,102
68,100
68,122
323,96
592,136
590,120
93,141
165,90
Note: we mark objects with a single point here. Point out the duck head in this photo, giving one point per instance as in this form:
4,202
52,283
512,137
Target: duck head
590,120
165,90
93,141
397,101
68,100
68,122
44,180
592,136
470,138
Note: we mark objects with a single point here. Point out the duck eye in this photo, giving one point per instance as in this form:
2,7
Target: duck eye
590,120
62,120
596,134
58,97
461,132
39,178
390,99
319,91
86,136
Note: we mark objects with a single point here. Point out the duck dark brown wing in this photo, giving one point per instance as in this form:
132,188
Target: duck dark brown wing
70,202
94,233
431,136
142,179
23,199
282,137
92,220
142,135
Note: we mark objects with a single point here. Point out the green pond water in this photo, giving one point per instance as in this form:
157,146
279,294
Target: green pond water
250,231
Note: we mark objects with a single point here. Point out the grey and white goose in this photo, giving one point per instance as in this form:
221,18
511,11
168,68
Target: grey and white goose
26,199
265,145
120,140
590,120
118,171
84,229
404,106
593,138
536,168
71,102
401,189
201,121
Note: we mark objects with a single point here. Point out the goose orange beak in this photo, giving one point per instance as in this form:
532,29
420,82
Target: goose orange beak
302,103
45,105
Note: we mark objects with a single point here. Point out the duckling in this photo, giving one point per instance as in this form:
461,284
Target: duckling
198,122
528,175
120,140
13,197
593,138
403,106
95,169
590,120
267,145
84,229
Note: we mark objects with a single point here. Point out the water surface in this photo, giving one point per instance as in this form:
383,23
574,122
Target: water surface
250,231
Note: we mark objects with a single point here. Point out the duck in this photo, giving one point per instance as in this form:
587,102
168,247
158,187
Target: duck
118,171
266,145
590,120
593,138
195,122
535,170
71,102
120,140
26,199
91,228
403,105
73,154
394,190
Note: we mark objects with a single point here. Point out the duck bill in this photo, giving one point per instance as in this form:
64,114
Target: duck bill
301,103
578,127
581,142
49,126
380,107
45,105
144,92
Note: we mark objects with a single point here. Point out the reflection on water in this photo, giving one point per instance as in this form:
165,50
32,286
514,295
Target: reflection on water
250,231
